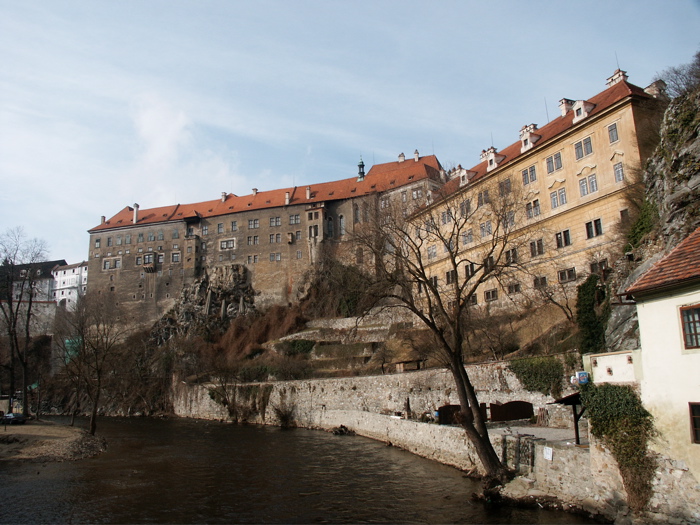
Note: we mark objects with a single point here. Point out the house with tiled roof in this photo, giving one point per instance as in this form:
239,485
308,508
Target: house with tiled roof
667,297
145,256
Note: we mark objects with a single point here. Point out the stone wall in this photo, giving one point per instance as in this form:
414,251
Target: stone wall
584,478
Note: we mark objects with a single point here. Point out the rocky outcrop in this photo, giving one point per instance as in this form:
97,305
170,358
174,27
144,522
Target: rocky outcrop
208,305
672,175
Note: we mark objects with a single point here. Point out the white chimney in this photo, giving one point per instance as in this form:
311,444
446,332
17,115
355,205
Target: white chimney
402,157
286,198
255,191
415,155
617,76
565,106
102,219
308,192
223,196
136,213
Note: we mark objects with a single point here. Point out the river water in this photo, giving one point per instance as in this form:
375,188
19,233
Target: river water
186,471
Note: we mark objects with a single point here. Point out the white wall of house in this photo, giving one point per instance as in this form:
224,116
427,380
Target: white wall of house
671,374
613,367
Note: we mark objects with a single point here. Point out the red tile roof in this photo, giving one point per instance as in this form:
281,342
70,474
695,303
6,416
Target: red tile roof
381,177
555,127
680,267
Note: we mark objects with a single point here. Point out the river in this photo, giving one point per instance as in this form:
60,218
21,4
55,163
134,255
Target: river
187,471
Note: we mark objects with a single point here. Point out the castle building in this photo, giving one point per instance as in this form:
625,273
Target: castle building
69,282
145,257
568,187
570,179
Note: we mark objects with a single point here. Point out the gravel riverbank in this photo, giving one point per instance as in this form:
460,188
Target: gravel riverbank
47,441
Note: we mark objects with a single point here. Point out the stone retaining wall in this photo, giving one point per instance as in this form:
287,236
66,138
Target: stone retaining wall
579,477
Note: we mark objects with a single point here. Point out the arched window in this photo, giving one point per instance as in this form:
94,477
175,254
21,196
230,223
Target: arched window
329,227
355,213
341,225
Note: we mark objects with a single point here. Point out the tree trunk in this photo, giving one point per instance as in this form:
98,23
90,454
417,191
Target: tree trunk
93,413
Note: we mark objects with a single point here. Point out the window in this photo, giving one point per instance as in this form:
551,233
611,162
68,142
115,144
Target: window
253,239
161,258
536,247
467,237
341,225
161,235
138,261
234,226
491,295
691,326
105,264
558,198
695,421
97,243
489,263
127,238
588,185
446,217
229,244
512,256
148,258
252,259
298,254
583,148
404,196
529,175
469,270
508,220
190,231
275,257
540,282
432,252
253,223
152,237
109,241
594,229
139,238
504,187
483,198
204,247
329,227
417,194
275,221
294,219
220,228
612,133
175,257
513,288
532,209
451,276
567,275
433,281
485,228
356,213
465,207
563,239
176,234
384,203
619,172
554,163
599,267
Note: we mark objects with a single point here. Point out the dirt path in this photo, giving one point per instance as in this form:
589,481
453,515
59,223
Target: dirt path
47,441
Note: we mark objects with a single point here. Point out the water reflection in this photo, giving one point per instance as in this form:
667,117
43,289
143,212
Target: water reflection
183,471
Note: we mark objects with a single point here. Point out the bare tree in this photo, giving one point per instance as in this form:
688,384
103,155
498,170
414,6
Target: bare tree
19,274
90,338
432,263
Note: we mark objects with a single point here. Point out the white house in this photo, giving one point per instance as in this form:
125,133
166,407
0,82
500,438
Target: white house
70,281
668,306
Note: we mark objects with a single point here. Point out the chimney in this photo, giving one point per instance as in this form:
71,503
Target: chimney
565,106
286,198
255,191
136,213
360,171
415,155
308,192
102,219
617,76
223,196
402,157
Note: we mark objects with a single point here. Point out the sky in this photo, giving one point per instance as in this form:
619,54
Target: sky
104,104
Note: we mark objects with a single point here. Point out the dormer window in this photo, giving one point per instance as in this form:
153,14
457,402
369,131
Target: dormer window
582,109
528,137
492,158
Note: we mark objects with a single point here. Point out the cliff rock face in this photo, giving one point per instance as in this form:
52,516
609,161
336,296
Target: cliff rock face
208,304
672,175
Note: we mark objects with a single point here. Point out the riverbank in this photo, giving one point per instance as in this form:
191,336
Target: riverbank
47,441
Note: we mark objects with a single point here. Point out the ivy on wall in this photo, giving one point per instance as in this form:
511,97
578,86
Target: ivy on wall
591,314
618,418
539,374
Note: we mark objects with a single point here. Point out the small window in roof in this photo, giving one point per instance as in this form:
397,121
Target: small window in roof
410,177
373,186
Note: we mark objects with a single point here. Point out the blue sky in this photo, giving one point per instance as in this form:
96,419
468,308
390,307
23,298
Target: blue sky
108,103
